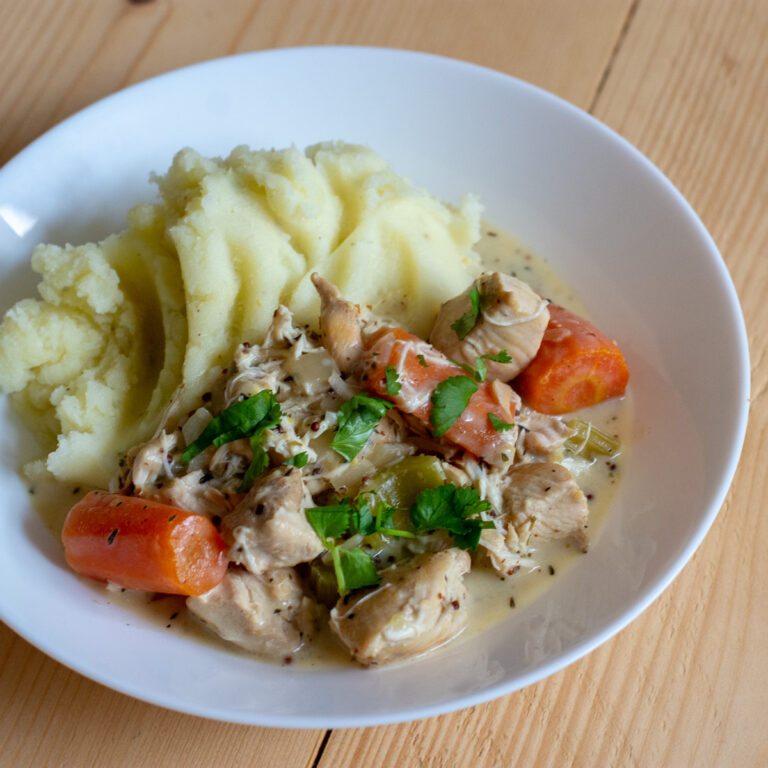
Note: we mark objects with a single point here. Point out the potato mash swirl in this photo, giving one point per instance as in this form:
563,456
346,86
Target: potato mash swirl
149,316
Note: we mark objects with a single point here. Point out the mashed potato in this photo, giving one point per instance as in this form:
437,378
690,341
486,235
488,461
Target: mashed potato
158,309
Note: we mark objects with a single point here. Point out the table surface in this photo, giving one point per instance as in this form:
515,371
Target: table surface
686,82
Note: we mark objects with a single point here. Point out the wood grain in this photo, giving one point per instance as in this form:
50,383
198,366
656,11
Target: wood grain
687,82
687,683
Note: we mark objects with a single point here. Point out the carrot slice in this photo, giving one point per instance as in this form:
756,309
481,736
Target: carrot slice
420,368
576,366
142,544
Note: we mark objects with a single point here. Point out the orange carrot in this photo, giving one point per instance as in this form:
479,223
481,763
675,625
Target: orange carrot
576,366
420,368
142,544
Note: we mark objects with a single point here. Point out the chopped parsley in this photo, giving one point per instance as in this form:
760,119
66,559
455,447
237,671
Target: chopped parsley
468,320
391,384
354,568
480,371
357,419
247,418
452,509
299,460
422,362
449,399
499,424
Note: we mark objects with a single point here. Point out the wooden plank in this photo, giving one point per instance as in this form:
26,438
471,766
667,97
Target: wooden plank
56,58
687,683
52,716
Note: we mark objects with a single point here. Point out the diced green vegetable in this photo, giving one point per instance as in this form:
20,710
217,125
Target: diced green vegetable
322,579
589,441
399,485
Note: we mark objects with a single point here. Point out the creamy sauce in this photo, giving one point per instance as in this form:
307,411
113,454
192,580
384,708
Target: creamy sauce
492,597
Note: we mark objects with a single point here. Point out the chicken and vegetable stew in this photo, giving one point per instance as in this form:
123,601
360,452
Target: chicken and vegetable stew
349,480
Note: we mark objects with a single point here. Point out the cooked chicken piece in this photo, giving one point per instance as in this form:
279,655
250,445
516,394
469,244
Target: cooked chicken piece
542,434
231,459
541,502
419,605
545,497
512,317
340,324
266,614
191,494
269,529
150,463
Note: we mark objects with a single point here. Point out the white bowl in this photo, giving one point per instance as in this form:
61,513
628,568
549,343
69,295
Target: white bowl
571,189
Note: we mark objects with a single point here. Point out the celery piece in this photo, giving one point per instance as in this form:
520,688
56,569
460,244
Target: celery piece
399,485
322,579
589,441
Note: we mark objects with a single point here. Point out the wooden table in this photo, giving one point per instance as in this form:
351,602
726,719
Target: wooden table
687,82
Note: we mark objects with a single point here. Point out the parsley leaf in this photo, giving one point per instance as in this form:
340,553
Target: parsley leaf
391,384
330,522
449,399
451,508
239,420
499,424
259,462
299,460
468,320
499,357
422,362
358,418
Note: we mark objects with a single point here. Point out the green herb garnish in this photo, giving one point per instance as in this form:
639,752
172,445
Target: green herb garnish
299,460
422,362
480,371
357,419
242,419
499,424
391,384
451,509
449,399
468,320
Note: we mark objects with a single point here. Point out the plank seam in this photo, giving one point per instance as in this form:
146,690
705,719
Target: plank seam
321,749
614,54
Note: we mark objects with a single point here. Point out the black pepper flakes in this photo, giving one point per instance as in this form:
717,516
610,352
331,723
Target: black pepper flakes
511,602
111,537
551,570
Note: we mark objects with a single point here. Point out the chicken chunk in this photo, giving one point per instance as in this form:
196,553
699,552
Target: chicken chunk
541,502
511,317
340,325
191,494
542,434
150,462
419,605
266,614
269,529
545,497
